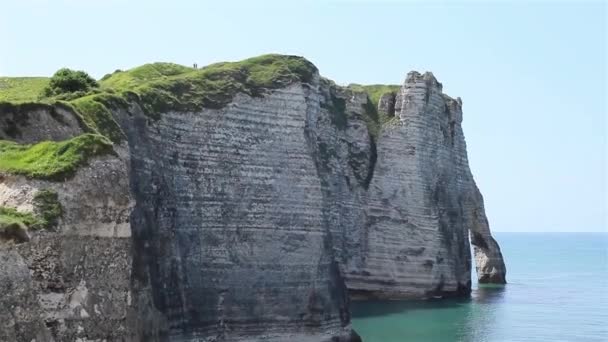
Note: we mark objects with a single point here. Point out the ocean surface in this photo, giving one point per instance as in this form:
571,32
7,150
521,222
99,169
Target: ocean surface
557,291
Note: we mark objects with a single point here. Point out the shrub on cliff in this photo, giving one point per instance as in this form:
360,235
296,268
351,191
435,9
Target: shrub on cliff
66,81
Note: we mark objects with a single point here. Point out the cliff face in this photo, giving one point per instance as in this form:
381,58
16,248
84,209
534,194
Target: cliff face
249,220
70,281
422,202
229,235
73,281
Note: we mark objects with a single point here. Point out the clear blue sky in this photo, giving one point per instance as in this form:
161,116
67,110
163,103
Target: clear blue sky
532,75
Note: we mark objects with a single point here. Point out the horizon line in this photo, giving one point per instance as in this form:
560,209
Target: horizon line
548,231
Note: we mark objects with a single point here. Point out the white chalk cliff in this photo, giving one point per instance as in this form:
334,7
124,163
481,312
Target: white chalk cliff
256,220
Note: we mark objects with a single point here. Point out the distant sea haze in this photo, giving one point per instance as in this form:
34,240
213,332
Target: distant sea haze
557,291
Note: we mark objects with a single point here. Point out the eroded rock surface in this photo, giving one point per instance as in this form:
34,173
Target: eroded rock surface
422,202
31,123
70,283
229,233
386,104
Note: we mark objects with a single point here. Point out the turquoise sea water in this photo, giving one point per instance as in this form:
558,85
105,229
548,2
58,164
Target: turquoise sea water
557,291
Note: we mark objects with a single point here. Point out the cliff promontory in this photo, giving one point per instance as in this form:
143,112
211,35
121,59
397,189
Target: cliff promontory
243,201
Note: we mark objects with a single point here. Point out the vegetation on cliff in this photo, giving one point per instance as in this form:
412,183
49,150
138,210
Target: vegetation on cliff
9,216
22,89
157,88
14,224
335,103
94,111
89,111
146,73
162,87
66,81
375,91
47,207
49,159
374,118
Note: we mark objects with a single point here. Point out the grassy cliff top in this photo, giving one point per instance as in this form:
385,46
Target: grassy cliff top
21,89
157,87
184,88
163,87
140,75
270,71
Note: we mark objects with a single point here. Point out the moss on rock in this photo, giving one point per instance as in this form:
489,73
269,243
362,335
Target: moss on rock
47,207
49,159
14,224
374,119
11,216
94,112
375,91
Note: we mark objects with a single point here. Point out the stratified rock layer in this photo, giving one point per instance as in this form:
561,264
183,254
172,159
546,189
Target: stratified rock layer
247,223
229,233
78,274
422,202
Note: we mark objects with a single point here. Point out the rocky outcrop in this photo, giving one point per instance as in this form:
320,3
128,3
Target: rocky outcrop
422,203
386,104
34,122
19,308
71,283
257,220
229,227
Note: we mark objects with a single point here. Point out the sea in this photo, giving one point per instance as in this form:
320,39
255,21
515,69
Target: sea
557,291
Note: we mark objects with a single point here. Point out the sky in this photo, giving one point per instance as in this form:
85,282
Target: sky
532,74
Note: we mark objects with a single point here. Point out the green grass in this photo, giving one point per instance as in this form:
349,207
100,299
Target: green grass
163,87
49,159
10,216
22,89
91,112
141,75
158,87
375,91
375,120
47,211
95,113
